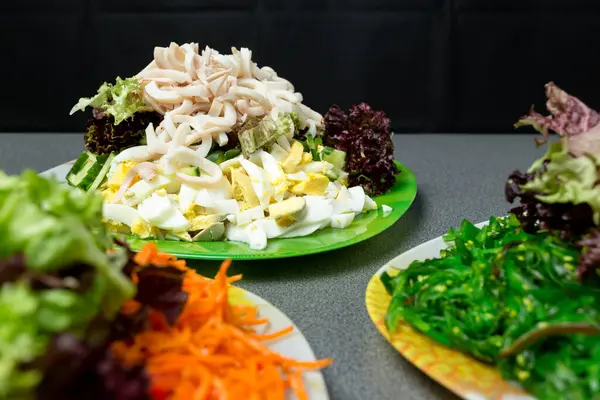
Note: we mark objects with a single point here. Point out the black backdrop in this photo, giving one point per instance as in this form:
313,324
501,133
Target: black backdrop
433,65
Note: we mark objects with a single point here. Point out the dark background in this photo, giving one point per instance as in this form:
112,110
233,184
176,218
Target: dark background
433,65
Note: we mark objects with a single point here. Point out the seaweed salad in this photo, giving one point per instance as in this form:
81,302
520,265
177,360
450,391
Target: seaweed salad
523,292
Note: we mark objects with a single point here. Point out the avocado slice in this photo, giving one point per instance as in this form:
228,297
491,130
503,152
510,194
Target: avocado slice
287,212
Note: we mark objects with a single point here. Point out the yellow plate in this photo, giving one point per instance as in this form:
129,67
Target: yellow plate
465,376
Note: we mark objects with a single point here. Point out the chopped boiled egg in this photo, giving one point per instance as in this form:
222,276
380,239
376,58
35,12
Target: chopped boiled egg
243,190
142,229
118,175
120,213
227,166
260,182
297,176
317,167
357,196
187,197
294,158
315,185
161,212
278,153
306,158
275,174
369,204
342,221
226,206
143,189
386,210
249,215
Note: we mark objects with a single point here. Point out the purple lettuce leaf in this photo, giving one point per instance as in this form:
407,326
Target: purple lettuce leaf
569,117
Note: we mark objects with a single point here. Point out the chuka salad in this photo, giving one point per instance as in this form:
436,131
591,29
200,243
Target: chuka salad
523,293
203,146
84,318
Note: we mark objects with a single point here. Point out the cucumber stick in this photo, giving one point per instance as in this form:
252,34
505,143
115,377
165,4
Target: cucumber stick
89,171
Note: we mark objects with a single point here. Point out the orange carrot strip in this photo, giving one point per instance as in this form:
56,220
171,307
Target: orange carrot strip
213,351
275,335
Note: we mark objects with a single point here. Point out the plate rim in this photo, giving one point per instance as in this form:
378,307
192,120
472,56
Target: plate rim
400,262
54,172
316,377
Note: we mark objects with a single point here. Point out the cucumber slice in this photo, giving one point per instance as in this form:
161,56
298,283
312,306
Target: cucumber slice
86,170
335,157
232,153
193,171
101,177
217,156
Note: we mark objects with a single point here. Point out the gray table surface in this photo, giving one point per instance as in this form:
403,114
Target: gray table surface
459,176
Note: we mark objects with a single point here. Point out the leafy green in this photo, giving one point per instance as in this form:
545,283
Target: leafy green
509,298
121,100
58,231
563,178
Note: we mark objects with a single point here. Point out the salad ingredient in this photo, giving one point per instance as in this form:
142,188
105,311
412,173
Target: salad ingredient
386,209
104,136
213,346
89,171
510,298
266,132
559,190
365,136
229,141
56,275
570,116
568,220
121,100
218,93
285,212
589,262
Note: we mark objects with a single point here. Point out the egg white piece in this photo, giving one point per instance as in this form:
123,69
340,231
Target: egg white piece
120,213
249,215
187,197
341,221
357,196
260,182
161,212
143,189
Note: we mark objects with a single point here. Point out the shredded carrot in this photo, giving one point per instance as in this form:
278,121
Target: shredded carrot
214,350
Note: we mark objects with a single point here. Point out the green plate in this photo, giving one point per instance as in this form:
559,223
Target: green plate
363,227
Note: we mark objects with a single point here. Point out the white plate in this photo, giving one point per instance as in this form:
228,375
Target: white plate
293,345
422,252
59,172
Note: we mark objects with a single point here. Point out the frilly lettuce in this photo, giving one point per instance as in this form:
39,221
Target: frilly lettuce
565,178
55,226
569,115
121,100
570,118
50,228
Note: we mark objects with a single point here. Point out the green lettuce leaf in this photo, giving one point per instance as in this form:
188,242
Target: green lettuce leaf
55,226
565,178
121,100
